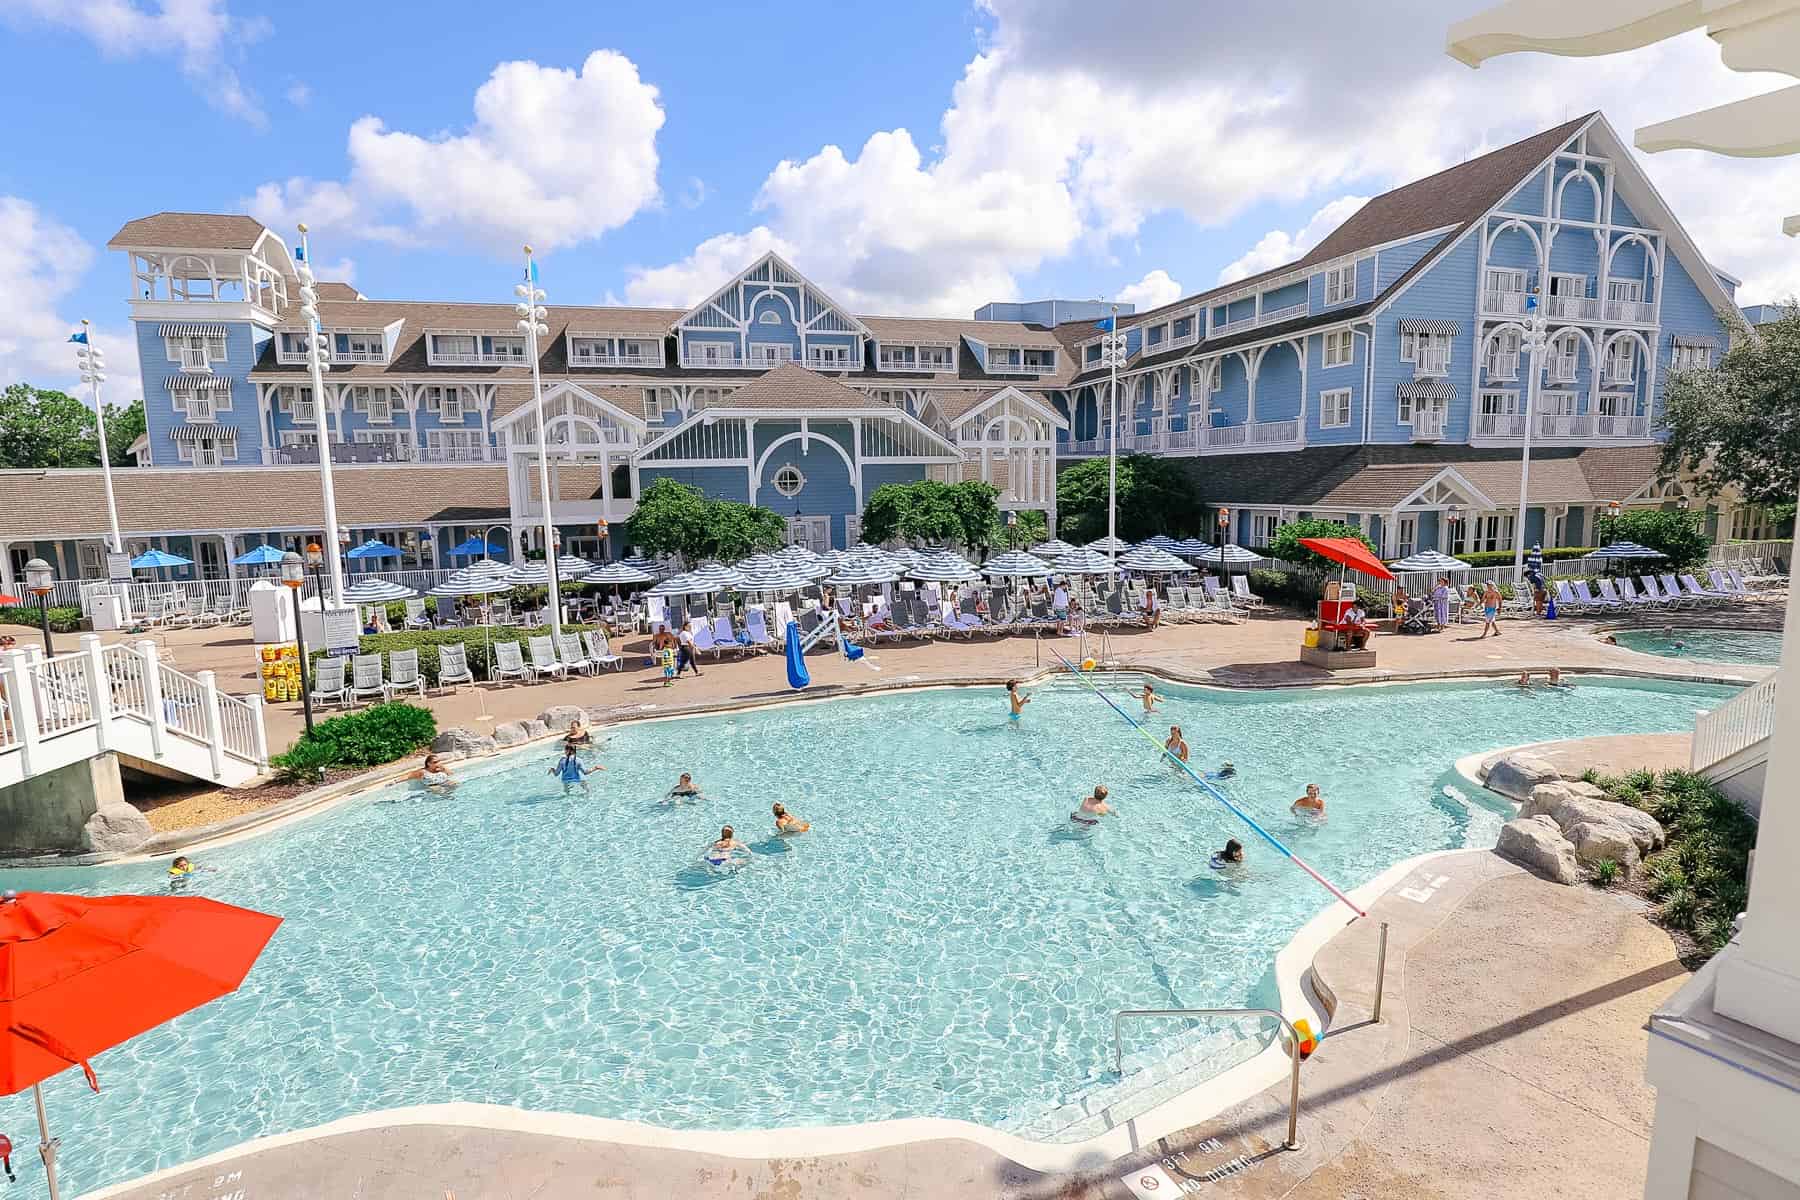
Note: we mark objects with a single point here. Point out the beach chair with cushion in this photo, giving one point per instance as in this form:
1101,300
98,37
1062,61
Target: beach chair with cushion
570,653
1567,601
756,629
1610,593
328,683
416,617
1686,586
365,677
704,641
1240,590
600,651
453,666
1593,603
543,659
1720,582
403,674
1661,599
508,663
725,637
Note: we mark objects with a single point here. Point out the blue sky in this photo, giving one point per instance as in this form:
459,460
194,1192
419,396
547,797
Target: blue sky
992,150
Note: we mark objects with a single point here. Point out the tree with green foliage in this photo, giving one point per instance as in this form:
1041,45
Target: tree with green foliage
675,518
967,514
1286,543
1677,534
1154,496
1738,424
44,428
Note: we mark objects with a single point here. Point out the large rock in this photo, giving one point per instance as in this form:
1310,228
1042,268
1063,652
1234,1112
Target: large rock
115,827
1514,775
1595,841
1575,803
1537,843
511,733
561,716
461,743
536,727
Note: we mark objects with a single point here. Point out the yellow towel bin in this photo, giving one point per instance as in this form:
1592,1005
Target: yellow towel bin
1311,639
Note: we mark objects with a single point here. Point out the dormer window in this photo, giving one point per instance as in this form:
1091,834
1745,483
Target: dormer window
476,349
1340,284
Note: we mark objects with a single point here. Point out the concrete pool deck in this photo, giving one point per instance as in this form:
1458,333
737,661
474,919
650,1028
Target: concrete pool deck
1509,1062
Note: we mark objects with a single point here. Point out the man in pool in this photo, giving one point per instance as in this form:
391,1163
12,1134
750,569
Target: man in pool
1311,804
722,851
1176,745
1149,698
571,772
1013,698
579,735
1092,808
787,823
684,789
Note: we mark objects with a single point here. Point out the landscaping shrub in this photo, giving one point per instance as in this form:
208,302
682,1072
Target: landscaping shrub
376,735
426,641
1504,558
1699,878
64,618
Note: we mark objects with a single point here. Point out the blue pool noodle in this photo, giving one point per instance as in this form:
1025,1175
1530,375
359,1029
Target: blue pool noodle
796,661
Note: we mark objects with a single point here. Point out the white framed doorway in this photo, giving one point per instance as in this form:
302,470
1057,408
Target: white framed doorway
814,533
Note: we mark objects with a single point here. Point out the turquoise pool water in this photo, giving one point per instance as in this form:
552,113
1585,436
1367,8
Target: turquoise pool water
1761,646
939,945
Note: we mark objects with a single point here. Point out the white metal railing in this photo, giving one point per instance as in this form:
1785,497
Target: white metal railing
193,358
608,358
1500,425
1606,425
1762,550
1021,368
1227,435
1574,308
1736,725
891,365
833,363
1503,303
1195,438
1286,313
1428,425
1503,367
1233,326
691,358
451,454
1630,312
1431,362
1275,433
477,358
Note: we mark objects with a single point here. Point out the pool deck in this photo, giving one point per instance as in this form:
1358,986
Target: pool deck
1509,1062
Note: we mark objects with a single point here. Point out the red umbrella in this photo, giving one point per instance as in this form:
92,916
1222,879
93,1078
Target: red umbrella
1350,553
81,974
6,599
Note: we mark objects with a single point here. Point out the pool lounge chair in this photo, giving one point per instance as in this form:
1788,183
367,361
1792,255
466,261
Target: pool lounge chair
1722,583
1654,593
1697,595
725,637
403,674
508,663
1567,601
1692,588
1215,594
1608,592
599,650
704,641
453,666
543,659
328,684
1240,590
572,656
365,678
1591,602
756,629
1630,595
415,615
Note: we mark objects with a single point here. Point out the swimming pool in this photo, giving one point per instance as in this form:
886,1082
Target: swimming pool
938,945
1761,646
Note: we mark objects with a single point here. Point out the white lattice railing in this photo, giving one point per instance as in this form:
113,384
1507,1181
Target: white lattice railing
1736,725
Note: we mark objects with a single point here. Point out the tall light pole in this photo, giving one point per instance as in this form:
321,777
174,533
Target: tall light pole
1112,346
1536,339
317,354
531,323
93,373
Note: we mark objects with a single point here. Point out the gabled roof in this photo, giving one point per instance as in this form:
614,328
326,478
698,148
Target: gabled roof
624,405
958,407
791,386
330,289
781,266
184,230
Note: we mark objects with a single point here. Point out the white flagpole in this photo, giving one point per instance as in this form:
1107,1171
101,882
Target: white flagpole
531,323
1115,351
93,365
316,353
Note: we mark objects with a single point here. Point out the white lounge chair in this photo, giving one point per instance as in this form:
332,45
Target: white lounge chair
508,663
415,614
1568,601
328,684
453,666
365,678
756,627
1611,594
725,637
1697,594
543,658
1722,584
1630,595
599,651
1240,590
703,637
568,649
1655,593
403,674
1591,602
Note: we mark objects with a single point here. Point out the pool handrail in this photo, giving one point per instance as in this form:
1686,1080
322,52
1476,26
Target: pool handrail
1293,1130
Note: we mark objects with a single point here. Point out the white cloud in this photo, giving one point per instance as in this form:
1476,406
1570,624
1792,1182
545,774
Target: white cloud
201,34
341,271
41,262
694,194
684,284
1065,133
298,94
1279,246
1152,291
554,157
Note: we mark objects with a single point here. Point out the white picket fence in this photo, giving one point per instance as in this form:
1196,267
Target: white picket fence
1735,726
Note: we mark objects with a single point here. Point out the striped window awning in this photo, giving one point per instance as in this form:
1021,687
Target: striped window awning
1428,389
197,382
188,329
1697,341
209,430
1424,325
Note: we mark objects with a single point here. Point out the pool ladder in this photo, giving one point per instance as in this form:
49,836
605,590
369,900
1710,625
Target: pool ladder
1293,1129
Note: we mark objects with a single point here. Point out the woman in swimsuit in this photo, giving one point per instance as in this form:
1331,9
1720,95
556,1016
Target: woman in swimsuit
1231,856
787,823
1175,745
578,734
435,775
1092,808
1013,698
723,850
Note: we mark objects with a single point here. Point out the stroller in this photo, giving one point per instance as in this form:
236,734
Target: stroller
1418,616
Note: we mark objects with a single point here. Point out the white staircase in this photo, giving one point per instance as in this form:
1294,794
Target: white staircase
121,699
1731,743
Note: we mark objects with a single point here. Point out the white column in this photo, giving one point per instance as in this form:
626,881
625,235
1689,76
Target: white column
209,706
412,422
153,700
15,669
487,449
1759,979
6,573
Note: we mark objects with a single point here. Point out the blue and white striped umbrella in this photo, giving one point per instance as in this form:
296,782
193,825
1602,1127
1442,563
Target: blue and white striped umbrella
491,568
1231,554
1626,550
376,590
1052,550
1190,548
713,577
616,574
649,566
771,577
1015,564
466,583
1110,545
570,567
1161,541
527,574
864,570
944,567
1154,560
1083,561
1428,562
675,585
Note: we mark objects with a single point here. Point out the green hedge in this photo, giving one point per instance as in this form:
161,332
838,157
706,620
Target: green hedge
426,641
63,618
378,734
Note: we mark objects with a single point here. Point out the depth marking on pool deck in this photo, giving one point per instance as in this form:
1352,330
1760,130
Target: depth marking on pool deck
1158,1180
1423,895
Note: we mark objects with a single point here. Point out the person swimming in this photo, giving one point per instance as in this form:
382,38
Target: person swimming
1176,745
181,868
685,789
1149,698
787,823
1092,808
1312,802
1231,856
1556,679
571,772
1017,701
725,849
1225,771
435,775
1523,682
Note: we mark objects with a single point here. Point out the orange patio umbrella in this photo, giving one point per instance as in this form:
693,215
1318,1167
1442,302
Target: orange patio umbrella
81,974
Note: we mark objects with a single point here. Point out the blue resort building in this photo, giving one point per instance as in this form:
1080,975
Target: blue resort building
1379,379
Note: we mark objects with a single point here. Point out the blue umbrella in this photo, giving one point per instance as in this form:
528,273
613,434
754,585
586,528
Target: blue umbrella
151,559
474,545
373,549
264,555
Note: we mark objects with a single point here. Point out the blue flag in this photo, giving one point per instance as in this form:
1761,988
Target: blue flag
531,270
299,253
79,337
1105,324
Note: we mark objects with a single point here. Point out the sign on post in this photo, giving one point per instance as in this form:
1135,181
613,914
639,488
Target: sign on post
343,635
118,568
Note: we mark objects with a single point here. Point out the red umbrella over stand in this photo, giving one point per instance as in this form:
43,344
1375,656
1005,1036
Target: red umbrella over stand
82,974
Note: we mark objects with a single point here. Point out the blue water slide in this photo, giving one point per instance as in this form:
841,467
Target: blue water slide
796,658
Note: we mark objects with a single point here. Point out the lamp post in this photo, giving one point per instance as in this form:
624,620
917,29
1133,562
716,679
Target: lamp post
1112,350
532,324
1453,518
40,581
293,575
93,373
317,354
1612,522
1536,339
1012,529
1224,537
602,530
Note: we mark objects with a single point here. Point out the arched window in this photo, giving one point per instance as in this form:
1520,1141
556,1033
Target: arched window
769,316
788,481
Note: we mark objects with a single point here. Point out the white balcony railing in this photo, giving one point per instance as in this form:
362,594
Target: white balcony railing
1563,427
1505,304
832,364
450,454
606,358
1287,313
193,358
1503,367
1021,368
714,361
1225,327
1573,308
1630,312
1218,439
1736,725
913,366
1275,433
1428,424
1500,425
1431,362
474,358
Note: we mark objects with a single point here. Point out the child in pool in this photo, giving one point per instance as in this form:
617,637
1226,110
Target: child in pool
1013,698
571,772
787,823
1231,856
1150,698
1311,804
684,789
723,850
181,869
